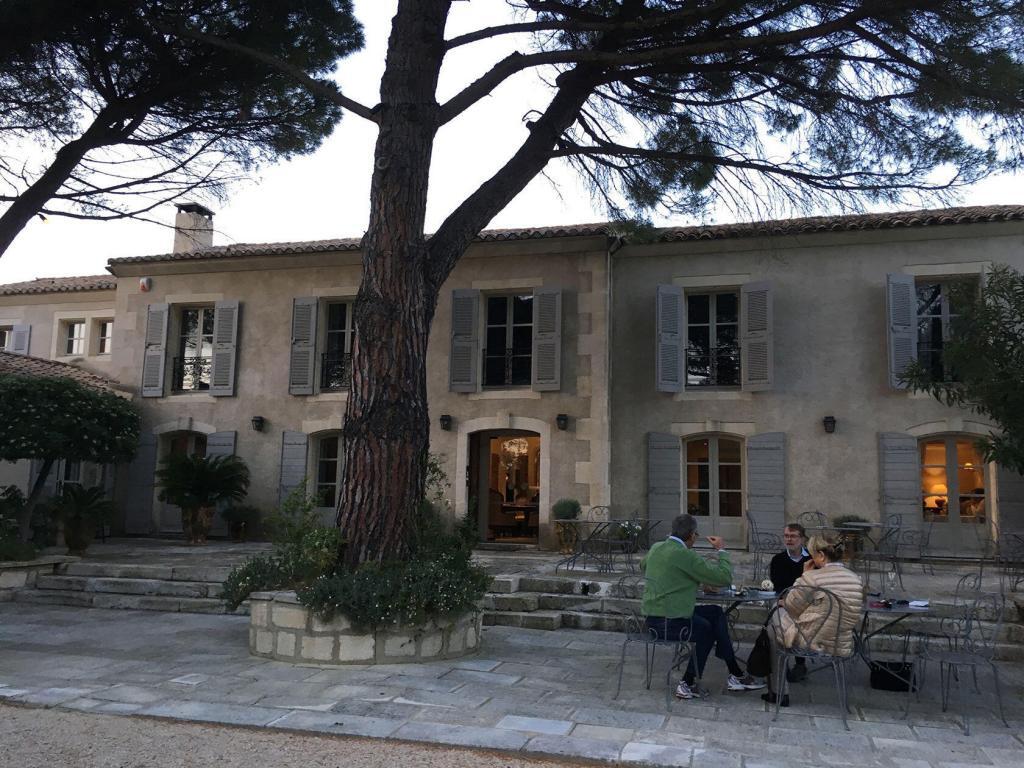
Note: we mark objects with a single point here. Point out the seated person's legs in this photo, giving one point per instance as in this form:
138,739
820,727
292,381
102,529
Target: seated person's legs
718,626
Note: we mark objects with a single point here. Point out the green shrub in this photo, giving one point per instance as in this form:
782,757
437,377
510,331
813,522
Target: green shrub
565,509
410,592
304,549
12,549
12,501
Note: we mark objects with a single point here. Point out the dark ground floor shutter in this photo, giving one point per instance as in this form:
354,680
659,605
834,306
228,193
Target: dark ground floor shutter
664,479
135,482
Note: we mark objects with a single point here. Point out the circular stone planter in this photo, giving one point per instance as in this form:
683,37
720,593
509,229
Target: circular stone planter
280,628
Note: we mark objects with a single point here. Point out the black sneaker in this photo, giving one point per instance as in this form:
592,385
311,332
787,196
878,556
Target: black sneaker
796,673
770,698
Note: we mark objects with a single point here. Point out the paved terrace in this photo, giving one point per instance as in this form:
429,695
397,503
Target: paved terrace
528,691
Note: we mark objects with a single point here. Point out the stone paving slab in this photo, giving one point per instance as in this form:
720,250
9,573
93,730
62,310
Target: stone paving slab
527,692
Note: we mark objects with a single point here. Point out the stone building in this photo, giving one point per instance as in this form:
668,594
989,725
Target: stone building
740,372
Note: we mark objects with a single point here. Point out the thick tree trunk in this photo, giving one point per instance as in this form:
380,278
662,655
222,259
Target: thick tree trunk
386,429
25,518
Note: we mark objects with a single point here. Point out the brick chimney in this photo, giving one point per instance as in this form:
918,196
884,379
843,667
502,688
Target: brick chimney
193,228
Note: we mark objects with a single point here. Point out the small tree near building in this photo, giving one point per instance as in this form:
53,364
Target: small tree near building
985,353
49,419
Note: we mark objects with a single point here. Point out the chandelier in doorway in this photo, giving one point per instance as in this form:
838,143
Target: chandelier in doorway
512,450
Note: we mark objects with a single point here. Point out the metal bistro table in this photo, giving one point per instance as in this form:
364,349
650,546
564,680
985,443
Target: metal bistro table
895,613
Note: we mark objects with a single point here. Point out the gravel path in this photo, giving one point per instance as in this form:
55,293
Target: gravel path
43,738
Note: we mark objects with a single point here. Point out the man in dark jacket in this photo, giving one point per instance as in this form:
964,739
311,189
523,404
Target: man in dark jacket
786,567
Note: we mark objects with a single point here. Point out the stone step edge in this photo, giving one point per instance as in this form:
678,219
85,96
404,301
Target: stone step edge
153,572
109,579
114,600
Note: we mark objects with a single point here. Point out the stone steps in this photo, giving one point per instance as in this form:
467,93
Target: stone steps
136,602
129,586
207,574
553,603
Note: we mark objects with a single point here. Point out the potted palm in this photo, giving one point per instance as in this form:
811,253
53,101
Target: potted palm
80,510
198,484
243,521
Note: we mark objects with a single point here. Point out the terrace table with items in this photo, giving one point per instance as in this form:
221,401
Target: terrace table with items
887,675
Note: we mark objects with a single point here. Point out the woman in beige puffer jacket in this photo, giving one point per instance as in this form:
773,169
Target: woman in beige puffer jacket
801,619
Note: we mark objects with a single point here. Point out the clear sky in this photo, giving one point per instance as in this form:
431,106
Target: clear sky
326,194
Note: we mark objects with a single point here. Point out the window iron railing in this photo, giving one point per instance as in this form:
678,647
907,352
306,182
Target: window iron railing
335,371
713,366
191,374
507,356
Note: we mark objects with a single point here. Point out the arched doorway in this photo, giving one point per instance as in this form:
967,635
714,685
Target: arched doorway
504,481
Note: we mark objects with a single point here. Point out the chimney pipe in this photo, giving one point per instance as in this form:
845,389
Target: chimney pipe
193,228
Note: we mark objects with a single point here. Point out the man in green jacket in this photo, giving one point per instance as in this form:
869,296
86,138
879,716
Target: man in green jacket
673,573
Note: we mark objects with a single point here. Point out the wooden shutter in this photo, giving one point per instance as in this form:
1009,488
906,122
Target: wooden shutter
464,357
664,478
547,339
766,480
1009,500
899,478
293,462
225,348
135,487
302,365
901,311
221,444
668,363
757,348
21,336
155,354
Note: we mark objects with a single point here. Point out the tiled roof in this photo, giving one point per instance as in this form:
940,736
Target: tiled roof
852,223
866,221
25,365
60,285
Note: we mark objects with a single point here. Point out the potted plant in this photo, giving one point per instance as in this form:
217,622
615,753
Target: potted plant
197,484
80,510
243,521
564,511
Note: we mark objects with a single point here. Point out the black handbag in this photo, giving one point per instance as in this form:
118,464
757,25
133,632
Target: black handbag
897,676
759,662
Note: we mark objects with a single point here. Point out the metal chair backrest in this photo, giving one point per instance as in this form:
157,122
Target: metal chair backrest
598,513
813,519
984,624
815,631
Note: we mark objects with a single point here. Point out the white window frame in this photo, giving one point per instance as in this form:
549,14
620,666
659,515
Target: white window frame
713,463
323,335
178,350
72,344
104,344
712,326
509,326
6,332
953,489
946,316
316,458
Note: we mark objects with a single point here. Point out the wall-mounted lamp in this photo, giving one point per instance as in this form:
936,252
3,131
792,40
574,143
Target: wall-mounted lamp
446,422
562,421
829,422
258,422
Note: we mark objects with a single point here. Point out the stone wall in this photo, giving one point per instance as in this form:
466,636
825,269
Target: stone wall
280,628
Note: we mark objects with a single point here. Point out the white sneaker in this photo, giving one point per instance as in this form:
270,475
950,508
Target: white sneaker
684,691
745,683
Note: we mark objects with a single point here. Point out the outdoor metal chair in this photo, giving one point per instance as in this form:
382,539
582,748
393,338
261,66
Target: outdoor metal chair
886,554
815,642
813,520
914,544
1010,560
763,545
973,647
636,631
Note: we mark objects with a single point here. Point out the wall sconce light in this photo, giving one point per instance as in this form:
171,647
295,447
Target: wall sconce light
562,421
446,422
258,422
829,422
